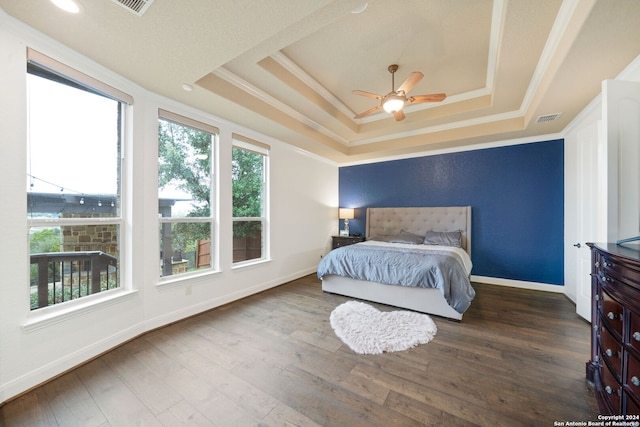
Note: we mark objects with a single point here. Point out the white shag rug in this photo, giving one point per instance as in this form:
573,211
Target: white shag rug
367,330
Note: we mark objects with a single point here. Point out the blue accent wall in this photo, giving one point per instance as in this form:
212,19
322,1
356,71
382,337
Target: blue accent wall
516,194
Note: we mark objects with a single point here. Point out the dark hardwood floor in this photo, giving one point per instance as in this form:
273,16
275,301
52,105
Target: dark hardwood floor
517,359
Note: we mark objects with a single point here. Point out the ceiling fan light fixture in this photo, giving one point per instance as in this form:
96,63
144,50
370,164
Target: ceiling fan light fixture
393,103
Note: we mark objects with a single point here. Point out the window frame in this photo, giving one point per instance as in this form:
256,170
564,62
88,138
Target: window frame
244,143
212,220
43,66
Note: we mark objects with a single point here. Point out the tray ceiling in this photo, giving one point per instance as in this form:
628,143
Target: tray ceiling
288,68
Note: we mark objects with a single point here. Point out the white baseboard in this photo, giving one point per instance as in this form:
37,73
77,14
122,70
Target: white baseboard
519,284
58,367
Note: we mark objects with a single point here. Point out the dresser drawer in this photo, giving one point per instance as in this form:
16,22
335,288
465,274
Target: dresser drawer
612,312
633,376
631,405
611,352
634,331
619,271
611,390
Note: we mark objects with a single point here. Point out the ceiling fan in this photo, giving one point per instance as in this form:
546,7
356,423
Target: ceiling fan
394,101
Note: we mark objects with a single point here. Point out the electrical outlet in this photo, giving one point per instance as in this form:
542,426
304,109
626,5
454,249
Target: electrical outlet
188,290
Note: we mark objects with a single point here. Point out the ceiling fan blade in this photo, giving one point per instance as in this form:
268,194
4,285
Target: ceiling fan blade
369,111
411,81
367,94
398,115
434,97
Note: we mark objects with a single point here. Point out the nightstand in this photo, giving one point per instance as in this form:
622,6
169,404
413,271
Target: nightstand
339,241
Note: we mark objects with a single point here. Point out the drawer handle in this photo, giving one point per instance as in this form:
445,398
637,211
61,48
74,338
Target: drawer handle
609,352
597,264
608,389
611,315
635,381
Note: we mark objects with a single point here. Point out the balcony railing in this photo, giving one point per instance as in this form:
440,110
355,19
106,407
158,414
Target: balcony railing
62,276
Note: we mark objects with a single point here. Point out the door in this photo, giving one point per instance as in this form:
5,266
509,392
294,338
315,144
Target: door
587,177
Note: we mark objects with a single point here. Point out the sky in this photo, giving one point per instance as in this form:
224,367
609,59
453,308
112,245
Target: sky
72,145
71,133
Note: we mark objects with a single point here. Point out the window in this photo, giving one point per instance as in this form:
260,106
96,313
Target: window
186,194
249,174
74,171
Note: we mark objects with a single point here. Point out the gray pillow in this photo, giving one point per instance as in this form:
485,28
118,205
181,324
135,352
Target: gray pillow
381,238
407,237
443,238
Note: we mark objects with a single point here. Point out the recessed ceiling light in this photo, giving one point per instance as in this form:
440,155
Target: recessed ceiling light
361,8
67,5
187,87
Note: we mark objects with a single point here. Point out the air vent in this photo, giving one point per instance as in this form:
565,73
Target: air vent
139,7
548,118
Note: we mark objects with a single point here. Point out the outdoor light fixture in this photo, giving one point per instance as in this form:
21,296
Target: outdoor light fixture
346,214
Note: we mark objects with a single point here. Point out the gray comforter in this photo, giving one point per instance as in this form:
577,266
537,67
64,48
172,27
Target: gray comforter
405,265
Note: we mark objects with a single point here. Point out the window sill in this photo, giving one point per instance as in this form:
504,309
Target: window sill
48,316
178,279
249,263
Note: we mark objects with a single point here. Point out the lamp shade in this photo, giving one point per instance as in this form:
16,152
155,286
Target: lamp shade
346,213
393,103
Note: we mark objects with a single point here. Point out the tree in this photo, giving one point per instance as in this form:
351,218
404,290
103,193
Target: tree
248,191
46,240
185,163
185,160
247,175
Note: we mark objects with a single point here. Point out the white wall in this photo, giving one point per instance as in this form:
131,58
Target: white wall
621,124
35,346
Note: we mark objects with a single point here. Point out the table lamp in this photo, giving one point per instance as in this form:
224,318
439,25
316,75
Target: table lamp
346,214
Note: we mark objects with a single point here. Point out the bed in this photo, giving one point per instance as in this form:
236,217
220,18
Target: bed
448,300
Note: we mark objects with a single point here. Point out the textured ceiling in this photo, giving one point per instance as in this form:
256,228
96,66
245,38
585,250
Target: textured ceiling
287,68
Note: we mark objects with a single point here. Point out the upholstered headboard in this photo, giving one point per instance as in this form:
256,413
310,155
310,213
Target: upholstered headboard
390,221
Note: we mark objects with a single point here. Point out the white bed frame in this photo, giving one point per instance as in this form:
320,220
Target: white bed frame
389,221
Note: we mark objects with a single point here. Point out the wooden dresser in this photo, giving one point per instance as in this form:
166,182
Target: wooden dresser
614,368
